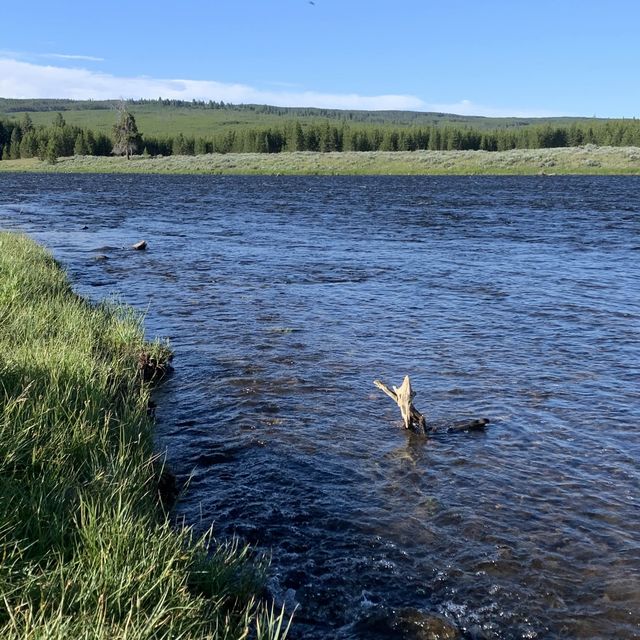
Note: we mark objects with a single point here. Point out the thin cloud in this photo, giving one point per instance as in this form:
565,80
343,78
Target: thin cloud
20,79
31,56
469,108
284,85
68,56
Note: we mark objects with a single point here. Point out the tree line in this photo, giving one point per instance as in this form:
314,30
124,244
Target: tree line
328,137
21,139
24,140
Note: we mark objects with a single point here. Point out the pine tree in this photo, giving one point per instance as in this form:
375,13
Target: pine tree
43,141
26,124
91,143
328,138
454,140
126,139
434,139
15,140
80,147
189,146
179,145
200,147
54,146
389,141
295,137
29,145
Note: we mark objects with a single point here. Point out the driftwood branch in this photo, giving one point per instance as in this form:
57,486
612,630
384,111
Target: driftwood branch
403,396
415,421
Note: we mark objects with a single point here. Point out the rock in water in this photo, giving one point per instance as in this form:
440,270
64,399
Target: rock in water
408,624
140,246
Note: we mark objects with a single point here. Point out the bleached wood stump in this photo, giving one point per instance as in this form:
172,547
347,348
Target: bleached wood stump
403,397
415,421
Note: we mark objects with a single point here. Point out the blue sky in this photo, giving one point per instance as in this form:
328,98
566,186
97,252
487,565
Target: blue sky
484,57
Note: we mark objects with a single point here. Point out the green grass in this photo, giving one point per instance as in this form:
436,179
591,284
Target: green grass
86,551
587,160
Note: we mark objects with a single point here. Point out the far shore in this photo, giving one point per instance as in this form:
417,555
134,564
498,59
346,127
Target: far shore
587,160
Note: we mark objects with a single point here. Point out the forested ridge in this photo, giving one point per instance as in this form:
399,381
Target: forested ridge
291,129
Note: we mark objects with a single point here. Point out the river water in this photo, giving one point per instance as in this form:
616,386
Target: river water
512,298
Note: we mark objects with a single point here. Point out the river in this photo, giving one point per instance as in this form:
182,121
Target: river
511,298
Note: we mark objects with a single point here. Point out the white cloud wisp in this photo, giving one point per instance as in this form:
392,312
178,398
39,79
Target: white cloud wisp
68,56
469,108
26,80
20,79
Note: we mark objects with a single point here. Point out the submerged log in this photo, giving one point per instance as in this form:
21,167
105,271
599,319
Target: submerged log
403,397
468,425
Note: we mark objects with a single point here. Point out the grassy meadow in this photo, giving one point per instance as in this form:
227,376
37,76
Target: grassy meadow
156,122
586,160
87,550
197,119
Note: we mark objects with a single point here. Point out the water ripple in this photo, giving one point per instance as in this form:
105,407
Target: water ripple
512,298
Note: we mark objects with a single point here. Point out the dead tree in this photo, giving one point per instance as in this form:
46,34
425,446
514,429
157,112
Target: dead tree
403,397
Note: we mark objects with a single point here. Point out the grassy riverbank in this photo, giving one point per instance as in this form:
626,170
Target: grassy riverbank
86,550
587,160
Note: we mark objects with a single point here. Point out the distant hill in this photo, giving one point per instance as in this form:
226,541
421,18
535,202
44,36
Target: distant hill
196,118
